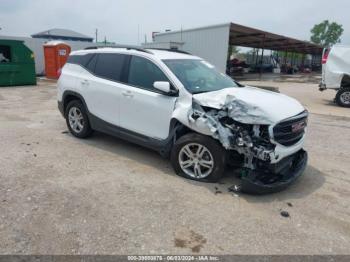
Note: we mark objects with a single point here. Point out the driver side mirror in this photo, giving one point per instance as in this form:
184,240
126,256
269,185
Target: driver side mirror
164,87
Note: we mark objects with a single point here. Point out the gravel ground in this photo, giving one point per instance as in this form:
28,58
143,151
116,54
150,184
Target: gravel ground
62,195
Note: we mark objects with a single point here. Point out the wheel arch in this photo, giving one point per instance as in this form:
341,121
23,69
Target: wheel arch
178,129
345,82
69,96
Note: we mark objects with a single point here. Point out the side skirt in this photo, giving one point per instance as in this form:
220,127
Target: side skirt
161,146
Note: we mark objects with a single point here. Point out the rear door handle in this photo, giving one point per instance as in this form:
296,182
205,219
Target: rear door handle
84,82
127,94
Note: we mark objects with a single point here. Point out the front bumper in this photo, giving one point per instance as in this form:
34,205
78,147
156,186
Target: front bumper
60,107
275,177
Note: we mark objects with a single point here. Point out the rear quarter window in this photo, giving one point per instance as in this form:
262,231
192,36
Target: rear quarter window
110,66
82,60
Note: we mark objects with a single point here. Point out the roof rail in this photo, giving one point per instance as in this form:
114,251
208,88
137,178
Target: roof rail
171,50
128,47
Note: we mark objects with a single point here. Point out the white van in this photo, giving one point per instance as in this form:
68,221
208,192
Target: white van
336,73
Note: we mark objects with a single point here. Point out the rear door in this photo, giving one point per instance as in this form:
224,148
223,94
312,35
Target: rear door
103,84
143,109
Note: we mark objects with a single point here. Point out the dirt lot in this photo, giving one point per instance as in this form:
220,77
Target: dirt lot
61,195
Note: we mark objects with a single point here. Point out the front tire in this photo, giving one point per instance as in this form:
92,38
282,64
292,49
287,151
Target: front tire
343,97
77,119
198,157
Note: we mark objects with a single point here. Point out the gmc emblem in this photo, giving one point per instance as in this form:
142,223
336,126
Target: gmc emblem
298,126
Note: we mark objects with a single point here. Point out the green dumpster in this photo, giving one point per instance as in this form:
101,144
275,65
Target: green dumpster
17,65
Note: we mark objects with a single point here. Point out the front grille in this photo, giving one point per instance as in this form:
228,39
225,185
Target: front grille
290,131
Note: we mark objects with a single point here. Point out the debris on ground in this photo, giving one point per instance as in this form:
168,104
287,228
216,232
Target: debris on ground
234,189
217,191
64,132
290,204
285,214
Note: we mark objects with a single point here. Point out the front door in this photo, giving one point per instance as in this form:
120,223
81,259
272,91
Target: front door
143,109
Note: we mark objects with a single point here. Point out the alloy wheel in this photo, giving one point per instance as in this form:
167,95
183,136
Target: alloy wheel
76,119
345,98
196,160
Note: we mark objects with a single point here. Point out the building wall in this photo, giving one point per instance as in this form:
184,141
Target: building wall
210,43
36,45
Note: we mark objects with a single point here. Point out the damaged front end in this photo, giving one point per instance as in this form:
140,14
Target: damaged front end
249,145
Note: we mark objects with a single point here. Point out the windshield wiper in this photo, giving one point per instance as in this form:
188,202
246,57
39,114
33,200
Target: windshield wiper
200,92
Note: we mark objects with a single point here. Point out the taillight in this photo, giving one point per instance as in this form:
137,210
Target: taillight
325,56
59,72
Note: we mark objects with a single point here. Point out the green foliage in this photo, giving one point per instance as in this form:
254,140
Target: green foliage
232,50
288,55
326,33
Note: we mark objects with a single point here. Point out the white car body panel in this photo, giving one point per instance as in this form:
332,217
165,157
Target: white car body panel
263,107
71,74
145,112
337,65
102,96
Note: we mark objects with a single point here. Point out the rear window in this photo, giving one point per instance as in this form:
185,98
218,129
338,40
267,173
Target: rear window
110,66
5,54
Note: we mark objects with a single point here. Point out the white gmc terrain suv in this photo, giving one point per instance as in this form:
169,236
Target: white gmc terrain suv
182,107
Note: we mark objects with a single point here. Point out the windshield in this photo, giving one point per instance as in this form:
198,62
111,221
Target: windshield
199,76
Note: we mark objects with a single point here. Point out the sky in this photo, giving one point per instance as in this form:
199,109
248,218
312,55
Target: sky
128,21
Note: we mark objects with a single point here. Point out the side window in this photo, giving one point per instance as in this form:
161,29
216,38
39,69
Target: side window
110,66
143,73
91,64
82,60
5,54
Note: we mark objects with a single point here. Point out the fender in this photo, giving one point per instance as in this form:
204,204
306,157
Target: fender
69,93
345,82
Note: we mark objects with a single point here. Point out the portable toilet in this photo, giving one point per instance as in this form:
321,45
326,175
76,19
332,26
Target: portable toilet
17,66
56,54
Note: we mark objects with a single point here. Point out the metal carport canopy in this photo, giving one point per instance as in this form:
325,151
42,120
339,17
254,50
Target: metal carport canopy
255,38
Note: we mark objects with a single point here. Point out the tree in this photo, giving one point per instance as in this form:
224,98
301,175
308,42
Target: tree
232,50
326,33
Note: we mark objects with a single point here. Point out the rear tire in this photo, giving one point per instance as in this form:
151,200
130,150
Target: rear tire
77,119
343,97
199,158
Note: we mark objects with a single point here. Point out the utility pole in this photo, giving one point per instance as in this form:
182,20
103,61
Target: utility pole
181,34
96,32
138,34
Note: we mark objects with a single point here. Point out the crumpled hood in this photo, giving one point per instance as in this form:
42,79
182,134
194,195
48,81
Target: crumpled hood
251,105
